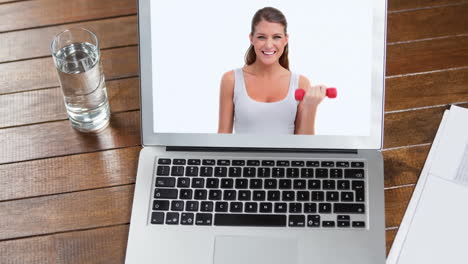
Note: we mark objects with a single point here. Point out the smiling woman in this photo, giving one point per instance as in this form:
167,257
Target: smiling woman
259,97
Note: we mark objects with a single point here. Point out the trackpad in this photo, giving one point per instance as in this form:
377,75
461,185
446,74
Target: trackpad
255,250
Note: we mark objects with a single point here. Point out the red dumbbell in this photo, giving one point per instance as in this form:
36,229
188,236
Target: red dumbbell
331,93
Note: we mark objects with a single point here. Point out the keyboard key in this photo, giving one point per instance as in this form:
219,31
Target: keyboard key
227,183
183,182
253,163
358,187
164,161
185,194
318,196
325,208
249,220
271,184
285,184
165,193
310,208
336,173
297,163
266,207
235,207
299,184
244,195
177,206
206,171
282,163
278,172
264,172
259,195
313,220
209,162
314,184
194,162
203,219
160,205
270,163
354,173
250,207
333,196
328,223
191,206
157,218
198,183
229,195
172,218
241,183
187,218
249,172
307,173
223,163
343,217
179,162
163,170
200,194
212,183
256,184
221,207
273,196
296,221
191,171
165,182
359,224
343,185
281,207
295,208
177,171
220,171
321,173
328,164
312,163
357,164
303,196
343,223
348,208
206,206
288,196
238,163
342,164
292,173
329,185
347,197
235,172
214,195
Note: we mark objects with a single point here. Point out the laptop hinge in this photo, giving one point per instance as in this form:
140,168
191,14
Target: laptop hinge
284,150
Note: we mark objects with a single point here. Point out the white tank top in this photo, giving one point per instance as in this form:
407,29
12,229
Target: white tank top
253,117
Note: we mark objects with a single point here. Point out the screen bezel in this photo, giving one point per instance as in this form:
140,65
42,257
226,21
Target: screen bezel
373,141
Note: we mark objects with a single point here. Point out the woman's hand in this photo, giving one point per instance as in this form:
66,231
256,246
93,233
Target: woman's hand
314,95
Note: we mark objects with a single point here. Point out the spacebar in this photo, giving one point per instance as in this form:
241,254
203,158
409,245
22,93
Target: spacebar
249,220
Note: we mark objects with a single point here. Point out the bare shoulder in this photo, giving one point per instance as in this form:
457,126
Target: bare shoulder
303,81
227,82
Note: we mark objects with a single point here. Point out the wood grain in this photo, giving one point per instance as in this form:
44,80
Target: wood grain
60,175
396,201
422,90
390,237
428,55
22,15
59,138
47,104
31,43
66,212
96,246
427,23
399,5
41,73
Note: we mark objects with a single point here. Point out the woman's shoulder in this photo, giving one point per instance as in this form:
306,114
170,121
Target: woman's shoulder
228,76
303,81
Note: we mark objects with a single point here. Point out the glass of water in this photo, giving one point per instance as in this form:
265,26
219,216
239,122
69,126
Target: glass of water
78,61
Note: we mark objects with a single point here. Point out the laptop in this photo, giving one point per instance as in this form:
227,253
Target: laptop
205,194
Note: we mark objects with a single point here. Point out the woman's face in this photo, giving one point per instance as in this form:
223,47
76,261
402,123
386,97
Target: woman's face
269,41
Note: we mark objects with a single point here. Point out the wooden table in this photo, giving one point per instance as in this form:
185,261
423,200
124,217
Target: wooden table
66,197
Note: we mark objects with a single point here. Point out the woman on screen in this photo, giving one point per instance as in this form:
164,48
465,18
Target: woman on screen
259,98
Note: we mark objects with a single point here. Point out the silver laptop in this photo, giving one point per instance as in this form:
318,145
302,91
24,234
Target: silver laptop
220,182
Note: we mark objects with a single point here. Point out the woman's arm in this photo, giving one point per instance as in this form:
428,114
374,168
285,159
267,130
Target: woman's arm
307,108
226,104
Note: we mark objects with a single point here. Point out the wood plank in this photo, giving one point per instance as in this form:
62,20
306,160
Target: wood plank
427,23
403,166
396,5
59,138
396,201
428,55
390,237
47,105
66,212
41,73
26,44
422,90
59,175
102,245
22,15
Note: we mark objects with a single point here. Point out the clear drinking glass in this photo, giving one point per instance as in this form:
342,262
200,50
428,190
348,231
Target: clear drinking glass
78,61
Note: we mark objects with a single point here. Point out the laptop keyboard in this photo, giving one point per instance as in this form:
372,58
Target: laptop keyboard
268,193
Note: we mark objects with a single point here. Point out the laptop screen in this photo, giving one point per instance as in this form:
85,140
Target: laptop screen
233,67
